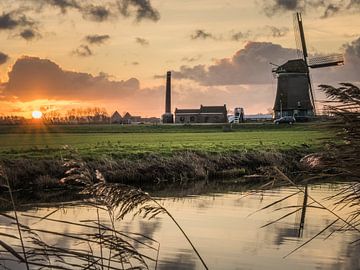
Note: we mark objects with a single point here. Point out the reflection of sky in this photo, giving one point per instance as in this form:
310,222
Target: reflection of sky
226,236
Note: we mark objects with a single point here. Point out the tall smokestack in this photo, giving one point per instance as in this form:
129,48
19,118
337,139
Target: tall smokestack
168,93
168,117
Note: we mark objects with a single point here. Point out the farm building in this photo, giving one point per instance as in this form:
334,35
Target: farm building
129,119
206,114
116,118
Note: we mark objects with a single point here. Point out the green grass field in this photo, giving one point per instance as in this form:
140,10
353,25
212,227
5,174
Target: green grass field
125,141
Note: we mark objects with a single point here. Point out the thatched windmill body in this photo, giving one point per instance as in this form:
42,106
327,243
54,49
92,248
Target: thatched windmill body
295,96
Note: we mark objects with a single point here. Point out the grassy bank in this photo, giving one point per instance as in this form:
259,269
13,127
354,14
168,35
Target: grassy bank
116,141
33,156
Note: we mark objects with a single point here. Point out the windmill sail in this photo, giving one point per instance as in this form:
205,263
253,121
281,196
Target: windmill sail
300,38
326,61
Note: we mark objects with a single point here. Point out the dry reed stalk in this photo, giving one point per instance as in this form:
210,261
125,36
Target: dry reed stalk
118,198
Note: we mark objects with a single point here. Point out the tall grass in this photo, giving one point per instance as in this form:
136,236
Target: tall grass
339,161
103,246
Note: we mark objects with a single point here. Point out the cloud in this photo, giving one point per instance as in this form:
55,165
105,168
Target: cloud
251,34
276,32
250,65
266,31
241,35
347,73
32,78
330,10
3,58
201,34
275,6
83,51
29,34
142,9
192,59
64,5
326,8
353,49
14,19
96,13
142,41
97,39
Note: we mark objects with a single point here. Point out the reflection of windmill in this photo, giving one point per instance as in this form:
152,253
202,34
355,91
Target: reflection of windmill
295,96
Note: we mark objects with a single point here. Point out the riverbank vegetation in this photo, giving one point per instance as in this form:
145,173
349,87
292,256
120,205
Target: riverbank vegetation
133,142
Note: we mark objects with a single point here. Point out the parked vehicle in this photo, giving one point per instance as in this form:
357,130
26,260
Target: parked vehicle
285,120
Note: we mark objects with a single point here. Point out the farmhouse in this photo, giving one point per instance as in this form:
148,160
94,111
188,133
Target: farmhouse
206,114
116,118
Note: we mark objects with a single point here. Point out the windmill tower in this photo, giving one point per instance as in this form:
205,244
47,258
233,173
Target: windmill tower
295,95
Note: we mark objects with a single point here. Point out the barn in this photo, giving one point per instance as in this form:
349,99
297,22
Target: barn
206,114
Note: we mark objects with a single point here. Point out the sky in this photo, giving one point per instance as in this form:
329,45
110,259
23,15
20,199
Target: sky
63,54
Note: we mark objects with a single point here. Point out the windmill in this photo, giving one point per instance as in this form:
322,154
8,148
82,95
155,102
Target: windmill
295,95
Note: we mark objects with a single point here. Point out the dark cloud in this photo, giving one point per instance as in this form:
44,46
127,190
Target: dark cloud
29,34
142,41
97,39
251,65
244,35
353,49
96,13
34,78
14,19
272,7
330,10
347,73
64,5
241,35
3,58
248,66
83,51
354,4
276,32
326,8
135,63
142,9
201,34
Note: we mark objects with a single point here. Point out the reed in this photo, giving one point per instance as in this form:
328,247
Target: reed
338,160
103,246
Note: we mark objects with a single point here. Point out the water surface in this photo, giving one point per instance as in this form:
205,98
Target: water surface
226,230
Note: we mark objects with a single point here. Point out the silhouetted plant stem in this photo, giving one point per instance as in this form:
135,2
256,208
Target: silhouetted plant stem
183,232
316,201
100,239
17,220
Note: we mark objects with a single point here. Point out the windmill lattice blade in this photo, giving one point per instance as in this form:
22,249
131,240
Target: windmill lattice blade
326,61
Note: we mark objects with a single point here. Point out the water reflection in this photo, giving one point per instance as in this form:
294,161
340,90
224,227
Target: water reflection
226,236
352,258
184,259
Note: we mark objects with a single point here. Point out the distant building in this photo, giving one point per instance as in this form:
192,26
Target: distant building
116,118
206,114
129,119
259,117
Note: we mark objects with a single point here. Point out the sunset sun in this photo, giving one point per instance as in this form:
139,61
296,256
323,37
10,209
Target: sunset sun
36,114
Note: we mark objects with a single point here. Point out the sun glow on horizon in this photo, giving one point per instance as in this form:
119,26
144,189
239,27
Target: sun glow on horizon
36,114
